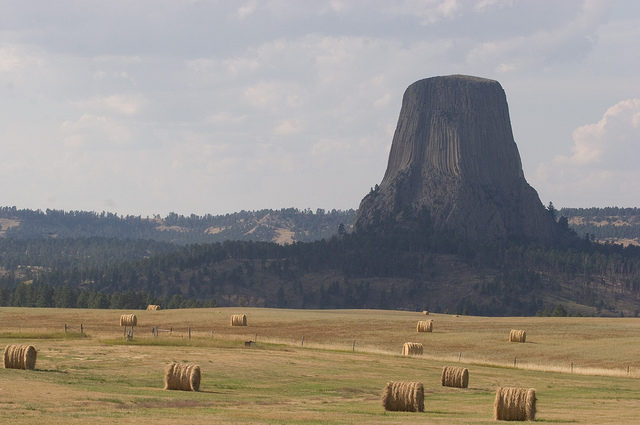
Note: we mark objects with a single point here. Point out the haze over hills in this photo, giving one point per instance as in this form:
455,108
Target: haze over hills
453,227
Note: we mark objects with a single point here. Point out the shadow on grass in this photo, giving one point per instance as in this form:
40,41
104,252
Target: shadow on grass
38,335
51,371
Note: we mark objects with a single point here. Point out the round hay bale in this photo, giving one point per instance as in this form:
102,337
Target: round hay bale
453,376
425,312
238,320
412,349
517,335
20,357
153,307
182,376
403,396
515,404
424,326
128,320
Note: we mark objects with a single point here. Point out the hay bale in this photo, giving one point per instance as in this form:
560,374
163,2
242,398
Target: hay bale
238,320
515,404
403,396
412,349
425,312
20,357
128,320
453,376
424,326
153,307
517,335
182,376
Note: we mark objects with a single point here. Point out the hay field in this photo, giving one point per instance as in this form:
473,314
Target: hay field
101,378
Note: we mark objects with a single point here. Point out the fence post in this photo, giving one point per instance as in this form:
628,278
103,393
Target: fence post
255,338
515,361
302,343
459,355
571,367
81,329
189,330
353,347
65,328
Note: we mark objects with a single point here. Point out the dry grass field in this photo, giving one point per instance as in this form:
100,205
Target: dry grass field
102,378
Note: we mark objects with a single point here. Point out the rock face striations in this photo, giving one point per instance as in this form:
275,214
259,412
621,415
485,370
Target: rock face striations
453,157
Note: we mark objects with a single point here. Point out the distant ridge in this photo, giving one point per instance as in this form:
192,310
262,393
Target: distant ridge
282,226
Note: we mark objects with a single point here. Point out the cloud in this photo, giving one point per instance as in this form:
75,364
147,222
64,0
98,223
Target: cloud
568,42
94,131
122,104
247,9
287,127
613,139
603,165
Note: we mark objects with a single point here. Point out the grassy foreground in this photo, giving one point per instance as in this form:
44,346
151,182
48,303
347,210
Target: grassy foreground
100,378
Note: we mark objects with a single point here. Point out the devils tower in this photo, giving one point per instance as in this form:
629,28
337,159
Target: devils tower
453,158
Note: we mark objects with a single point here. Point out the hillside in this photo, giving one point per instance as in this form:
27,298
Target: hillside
358,270
613,224
280,226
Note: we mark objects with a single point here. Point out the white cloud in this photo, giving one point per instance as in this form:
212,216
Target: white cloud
16,60
247,9
570,41
9,60
613,140
122,104
226,118
94,131
330,147
263,94
287,127
603,166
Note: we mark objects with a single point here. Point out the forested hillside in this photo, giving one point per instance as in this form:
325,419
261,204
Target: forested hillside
281,226
392,268
611,224
353,270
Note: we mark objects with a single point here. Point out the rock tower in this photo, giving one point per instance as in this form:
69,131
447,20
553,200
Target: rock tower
453,157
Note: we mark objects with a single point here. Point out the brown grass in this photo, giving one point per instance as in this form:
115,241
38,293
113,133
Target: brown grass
517,335
153,307
128,320
412,349
515,404
453,376
424,326
403,396
182,376
238,320
19,357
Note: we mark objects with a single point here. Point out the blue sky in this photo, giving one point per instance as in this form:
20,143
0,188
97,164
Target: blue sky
144,107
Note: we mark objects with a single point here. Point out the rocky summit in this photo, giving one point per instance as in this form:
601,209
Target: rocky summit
454,159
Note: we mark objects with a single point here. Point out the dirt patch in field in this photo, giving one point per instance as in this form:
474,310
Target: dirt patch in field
284,236
215,230
6,224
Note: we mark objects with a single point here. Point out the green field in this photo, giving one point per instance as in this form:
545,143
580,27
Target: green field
101,378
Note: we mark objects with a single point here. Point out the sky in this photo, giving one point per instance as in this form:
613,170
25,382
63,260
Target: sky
210,107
